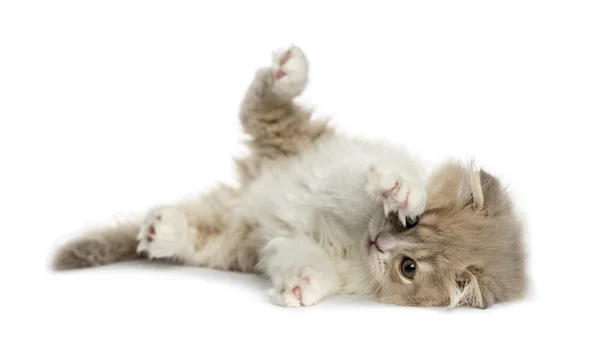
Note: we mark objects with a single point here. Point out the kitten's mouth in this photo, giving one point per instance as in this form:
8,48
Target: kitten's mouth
372,243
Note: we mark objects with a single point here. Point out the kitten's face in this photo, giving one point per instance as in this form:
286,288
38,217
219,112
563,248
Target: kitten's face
464,250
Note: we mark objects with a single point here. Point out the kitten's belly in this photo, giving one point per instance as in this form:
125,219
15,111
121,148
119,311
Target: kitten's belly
322,189
321,194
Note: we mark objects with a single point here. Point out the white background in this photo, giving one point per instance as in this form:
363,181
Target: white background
109,107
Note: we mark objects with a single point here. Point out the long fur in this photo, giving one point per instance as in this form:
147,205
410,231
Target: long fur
320,213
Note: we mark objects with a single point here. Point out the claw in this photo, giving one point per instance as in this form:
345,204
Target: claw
386,209
402,217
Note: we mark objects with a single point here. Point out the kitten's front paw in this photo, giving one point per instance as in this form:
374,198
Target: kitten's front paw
290,69
396,194
163,234
301,286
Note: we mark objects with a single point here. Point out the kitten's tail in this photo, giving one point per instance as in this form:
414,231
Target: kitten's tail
99,247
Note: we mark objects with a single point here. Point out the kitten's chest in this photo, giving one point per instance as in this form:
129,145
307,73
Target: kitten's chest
333,234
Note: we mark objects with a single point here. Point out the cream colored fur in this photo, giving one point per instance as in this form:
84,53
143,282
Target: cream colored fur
311,201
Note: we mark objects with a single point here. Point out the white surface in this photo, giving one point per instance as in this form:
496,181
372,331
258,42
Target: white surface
110,107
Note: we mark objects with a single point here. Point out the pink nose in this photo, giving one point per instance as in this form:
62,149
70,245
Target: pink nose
374,243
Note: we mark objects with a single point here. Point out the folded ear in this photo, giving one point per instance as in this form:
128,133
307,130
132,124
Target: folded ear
482,192
467,290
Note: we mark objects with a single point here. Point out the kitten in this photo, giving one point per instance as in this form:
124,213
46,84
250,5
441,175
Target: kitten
321,214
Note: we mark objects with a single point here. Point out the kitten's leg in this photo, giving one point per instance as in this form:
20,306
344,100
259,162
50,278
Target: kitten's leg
301,272
201,232
396,193
278,127
166,233
198,231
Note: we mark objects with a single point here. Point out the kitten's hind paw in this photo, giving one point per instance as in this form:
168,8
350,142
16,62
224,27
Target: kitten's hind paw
164,233
290,69
301,286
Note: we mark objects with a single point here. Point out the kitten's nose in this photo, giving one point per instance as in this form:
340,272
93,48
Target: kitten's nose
374,243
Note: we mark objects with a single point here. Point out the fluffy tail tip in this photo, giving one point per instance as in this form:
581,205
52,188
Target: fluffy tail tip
95,249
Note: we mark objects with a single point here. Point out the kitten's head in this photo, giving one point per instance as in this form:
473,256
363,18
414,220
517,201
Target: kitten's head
466,248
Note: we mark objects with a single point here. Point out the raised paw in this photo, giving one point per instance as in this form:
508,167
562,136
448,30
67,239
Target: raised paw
290,69
397,195
163,234
301,286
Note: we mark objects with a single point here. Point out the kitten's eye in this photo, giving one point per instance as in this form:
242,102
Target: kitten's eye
411,222
408,268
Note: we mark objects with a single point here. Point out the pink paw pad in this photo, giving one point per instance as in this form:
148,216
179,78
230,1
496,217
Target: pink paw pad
389,192
279,74
286,57
152,230
298,292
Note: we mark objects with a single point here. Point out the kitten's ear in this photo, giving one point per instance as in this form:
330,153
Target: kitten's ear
481,192
467,290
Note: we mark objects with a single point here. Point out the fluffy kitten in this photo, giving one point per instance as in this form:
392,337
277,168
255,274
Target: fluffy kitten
320,214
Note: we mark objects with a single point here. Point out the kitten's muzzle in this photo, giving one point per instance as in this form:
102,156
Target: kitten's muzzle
374,243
